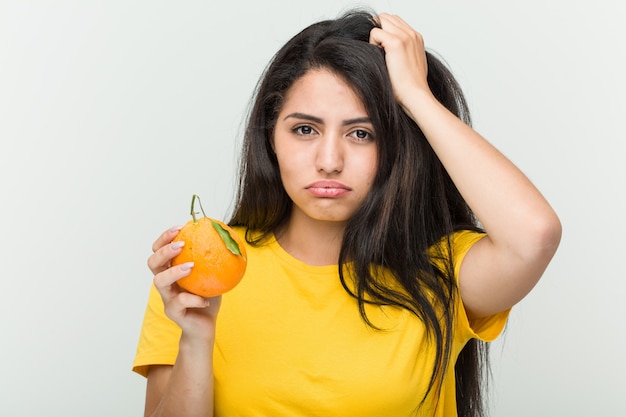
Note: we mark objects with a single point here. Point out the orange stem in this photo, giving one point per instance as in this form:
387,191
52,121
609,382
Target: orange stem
193,205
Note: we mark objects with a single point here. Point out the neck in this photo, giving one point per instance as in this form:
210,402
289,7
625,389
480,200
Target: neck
313,242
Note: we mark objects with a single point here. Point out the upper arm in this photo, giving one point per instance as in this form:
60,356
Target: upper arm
493,278
157,379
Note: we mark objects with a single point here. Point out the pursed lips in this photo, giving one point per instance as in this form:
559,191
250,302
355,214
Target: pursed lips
326,188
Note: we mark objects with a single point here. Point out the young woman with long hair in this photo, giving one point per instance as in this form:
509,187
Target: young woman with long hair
386,240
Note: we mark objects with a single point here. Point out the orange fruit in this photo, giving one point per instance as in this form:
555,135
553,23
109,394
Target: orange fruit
218,254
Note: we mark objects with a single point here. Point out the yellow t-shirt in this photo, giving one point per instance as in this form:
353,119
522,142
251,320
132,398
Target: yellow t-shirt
290,342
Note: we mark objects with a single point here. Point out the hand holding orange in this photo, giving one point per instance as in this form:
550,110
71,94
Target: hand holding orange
218,254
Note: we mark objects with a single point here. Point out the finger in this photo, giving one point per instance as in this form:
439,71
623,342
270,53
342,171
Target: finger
394,21
393,24
214,303
164,250
162,258
390,36
165,238
398,28
182,301
165,281
380,37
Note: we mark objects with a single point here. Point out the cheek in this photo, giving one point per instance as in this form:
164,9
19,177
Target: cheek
370,163
290,168
291,157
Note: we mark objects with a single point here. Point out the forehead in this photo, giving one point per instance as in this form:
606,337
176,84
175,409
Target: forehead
323,90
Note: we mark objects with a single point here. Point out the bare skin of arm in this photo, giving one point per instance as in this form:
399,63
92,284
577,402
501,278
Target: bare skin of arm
523,232
187,387
158,376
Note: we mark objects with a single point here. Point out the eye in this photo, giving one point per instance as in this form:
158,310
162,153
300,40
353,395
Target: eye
303,130
362,135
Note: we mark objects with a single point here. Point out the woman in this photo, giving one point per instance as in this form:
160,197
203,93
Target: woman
370,288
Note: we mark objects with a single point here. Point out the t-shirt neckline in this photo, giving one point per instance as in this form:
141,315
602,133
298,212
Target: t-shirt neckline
294,262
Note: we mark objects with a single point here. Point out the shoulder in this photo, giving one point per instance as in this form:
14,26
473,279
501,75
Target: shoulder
452,248
252,237
488,327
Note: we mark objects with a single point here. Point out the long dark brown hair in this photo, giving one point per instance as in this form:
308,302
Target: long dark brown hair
402,227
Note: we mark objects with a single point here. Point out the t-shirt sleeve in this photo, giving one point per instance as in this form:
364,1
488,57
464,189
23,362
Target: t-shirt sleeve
158,339
487,328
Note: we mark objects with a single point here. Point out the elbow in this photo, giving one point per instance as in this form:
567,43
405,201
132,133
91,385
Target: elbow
545,236
551,233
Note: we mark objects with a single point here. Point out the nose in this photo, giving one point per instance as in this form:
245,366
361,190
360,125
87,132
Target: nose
330,154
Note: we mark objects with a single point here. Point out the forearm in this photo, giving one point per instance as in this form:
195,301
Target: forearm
189,391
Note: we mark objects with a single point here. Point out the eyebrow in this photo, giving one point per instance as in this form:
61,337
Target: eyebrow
314,119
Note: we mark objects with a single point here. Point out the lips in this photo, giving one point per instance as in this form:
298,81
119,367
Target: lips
327,188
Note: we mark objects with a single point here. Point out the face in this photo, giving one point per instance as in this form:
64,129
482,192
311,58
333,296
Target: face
324,143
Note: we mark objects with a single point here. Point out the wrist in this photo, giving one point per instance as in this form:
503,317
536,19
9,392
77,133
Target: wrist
191,343
419,104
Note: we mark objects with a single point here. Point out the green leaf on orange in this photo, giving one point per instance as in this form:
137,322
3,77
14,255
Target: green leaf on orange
228,240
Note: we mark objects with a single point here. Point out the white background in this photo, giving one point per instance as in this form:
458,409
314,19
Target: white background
112,113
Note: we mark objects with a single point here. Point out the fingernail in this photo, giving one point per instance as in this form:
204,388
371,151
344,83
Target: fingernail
186,266
175,229
177,245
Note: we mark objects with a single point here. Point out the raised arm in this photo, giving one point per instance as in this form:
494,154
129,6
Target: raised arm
523,232
185,389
